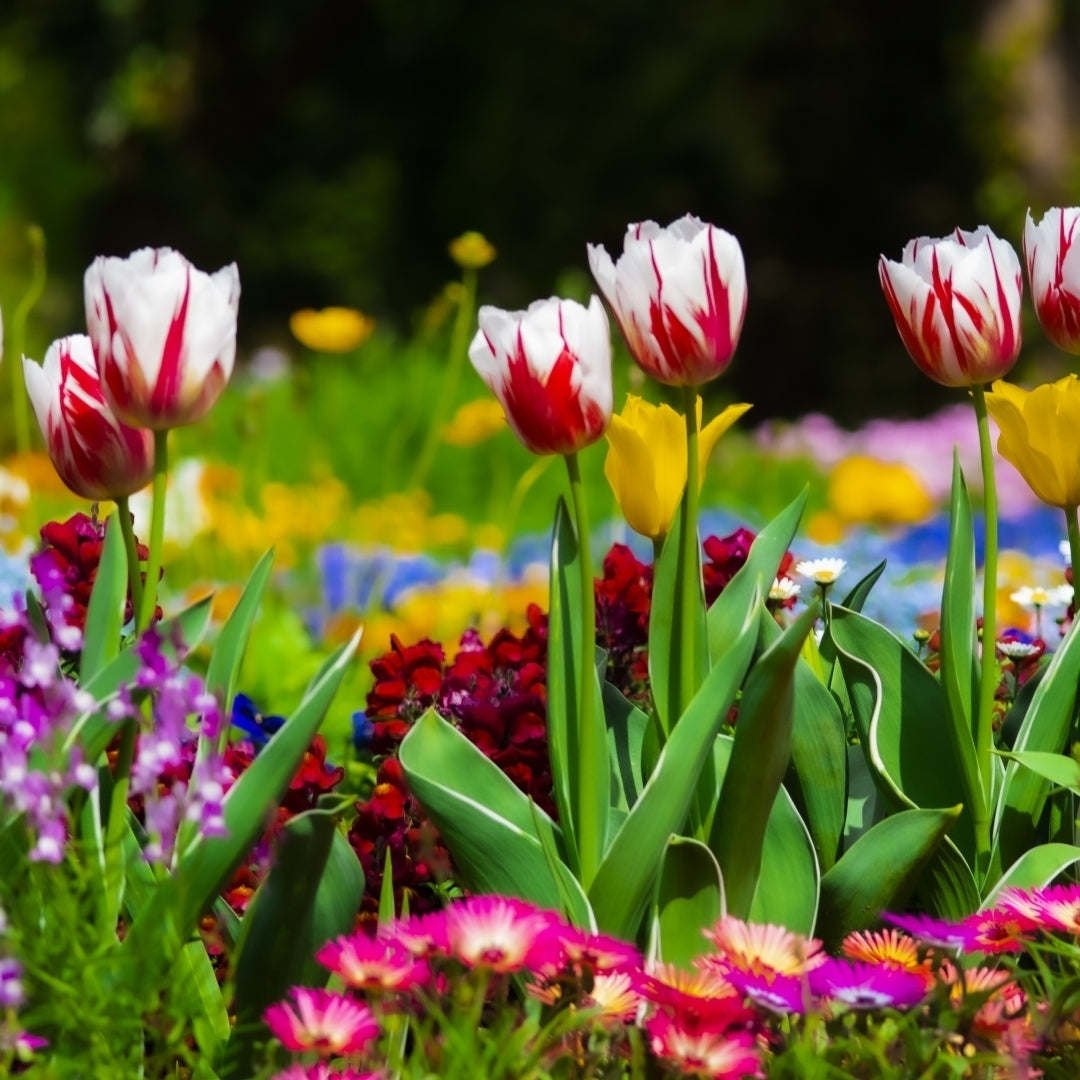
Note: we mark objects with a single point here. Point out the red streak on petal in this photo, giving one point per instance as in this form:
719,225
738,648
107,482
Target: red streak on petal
171,373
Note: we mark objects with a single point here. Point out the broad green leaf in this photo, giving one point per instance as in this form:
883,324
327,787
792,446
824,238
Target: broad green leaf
959,667
310,896
879,871
620,893
491,828
899,712
864,809
760,756
195,989
728,612
817,776
1038,866
1045,728
677,640
105,612
689,898
626,726
93,731
861,591
207,865
223,671
563,679
947,888
1059,769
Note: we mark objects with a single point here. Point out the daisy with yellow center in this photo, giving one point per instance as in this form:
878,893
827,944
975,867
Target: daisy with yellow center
761,948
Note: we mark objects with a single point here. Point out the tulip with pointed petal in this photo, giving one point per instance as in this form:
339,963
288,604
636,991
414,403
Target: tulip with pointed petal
164,335
96,455
1052,253
679,296
956,304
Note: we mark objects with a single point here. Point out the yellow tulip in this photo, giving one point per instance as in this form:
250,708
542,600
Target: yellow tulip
471,251
474,423
332,330
646,460
1040,435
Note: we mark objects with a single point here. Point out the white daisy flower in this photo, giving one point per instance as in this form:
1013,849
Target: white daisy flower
1017,650
1035,597
1066,552
783,588
821,571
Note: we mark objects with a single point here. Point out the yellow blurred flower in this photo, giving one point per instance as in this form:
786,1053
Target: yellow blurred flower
471,251
646,460
332,330
1040,435
865,490
475,422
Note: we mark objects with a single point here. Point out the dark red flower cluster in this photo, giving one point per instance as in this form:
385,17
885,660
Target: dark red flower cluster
726,556
623,602
408,681
71,550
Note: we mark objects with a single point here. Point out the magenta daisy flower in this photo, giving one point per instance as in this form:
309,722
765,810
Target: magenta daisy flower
499,933
366,963
322,1021
867,986
998,931
761,948
780,994
930,931
705,996
582,951
703,1053
1056,907
324,1072
420,935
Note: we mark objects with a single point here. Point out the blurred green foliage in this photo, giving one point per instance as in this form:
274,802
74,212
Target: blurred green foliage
332,149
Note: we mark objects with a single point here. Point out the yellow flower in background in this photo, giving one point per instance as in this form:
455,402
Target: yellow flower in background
1040,435
332,330
865,490
646,460
472,251
475,422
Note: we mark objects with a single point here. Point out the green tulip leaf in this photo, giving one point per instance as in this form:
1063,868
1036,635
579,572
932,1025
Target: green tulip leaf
626,727
760,756
105,612
860,593
689,898
1059,769
879,871
864,809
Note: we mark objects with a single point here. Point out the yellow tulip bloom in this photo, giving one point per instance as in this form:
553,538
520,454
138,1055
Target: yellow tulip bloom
472,251
646,460
1040,435
332,330
474,423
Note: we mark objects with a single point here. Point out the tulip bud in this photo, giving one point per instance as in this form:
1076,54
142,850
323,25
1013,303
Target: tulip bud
96,455
956,303
164,335
1052,253
679,297
550,368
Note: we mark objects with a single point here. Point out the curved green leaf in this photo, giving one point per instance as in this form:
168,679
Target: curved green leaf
1059,769
1038,866
728,613
620,892
491,828
861,591
760,756
626,727
105,612
879,871
899,711
689,898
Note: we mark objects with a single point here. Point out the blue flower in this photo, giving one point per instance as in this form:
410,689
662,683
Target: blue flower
257,727
362,730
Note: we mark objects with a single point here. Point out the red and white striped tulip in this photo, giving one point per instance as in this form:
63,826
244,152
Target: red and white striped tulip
550,368
96,455
1052,253
164,335
956,304
679,297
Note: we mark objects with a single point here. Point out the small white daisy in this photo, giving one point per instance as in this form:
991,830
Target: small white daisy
1017,650
821,571
1035,597
1066,552
783,588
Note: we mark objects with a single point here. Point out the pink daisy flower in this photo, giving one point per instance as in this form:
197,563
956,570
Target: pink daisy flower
583,951
867,986
931,931
705,996
703,1053
761,948
998,931
888,948
366,963
421,935
321,1021
780,994
499,933
324,1072
1056,907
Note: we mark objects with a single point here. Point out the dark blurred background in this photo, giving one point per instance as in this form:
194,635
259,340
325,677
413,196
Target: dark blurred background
332,149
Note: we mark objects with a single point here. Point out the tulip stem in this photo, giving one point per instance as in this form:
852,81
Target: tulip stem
459,348
157,530
1073,529
691,593
592,766
988,671
123,513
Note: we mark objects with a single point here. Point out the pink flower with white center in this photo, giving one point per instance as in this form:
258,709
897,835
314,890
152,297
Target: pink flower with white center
581,950
95,455
325,1072
1057,907
859,985
419,935
679,297
703,1052
956,304
499,933
322,1021
366,963
163,333
1052,254
550,368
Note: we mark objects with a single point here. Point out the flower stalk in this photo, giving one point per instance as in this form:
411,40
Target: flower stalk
157,531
